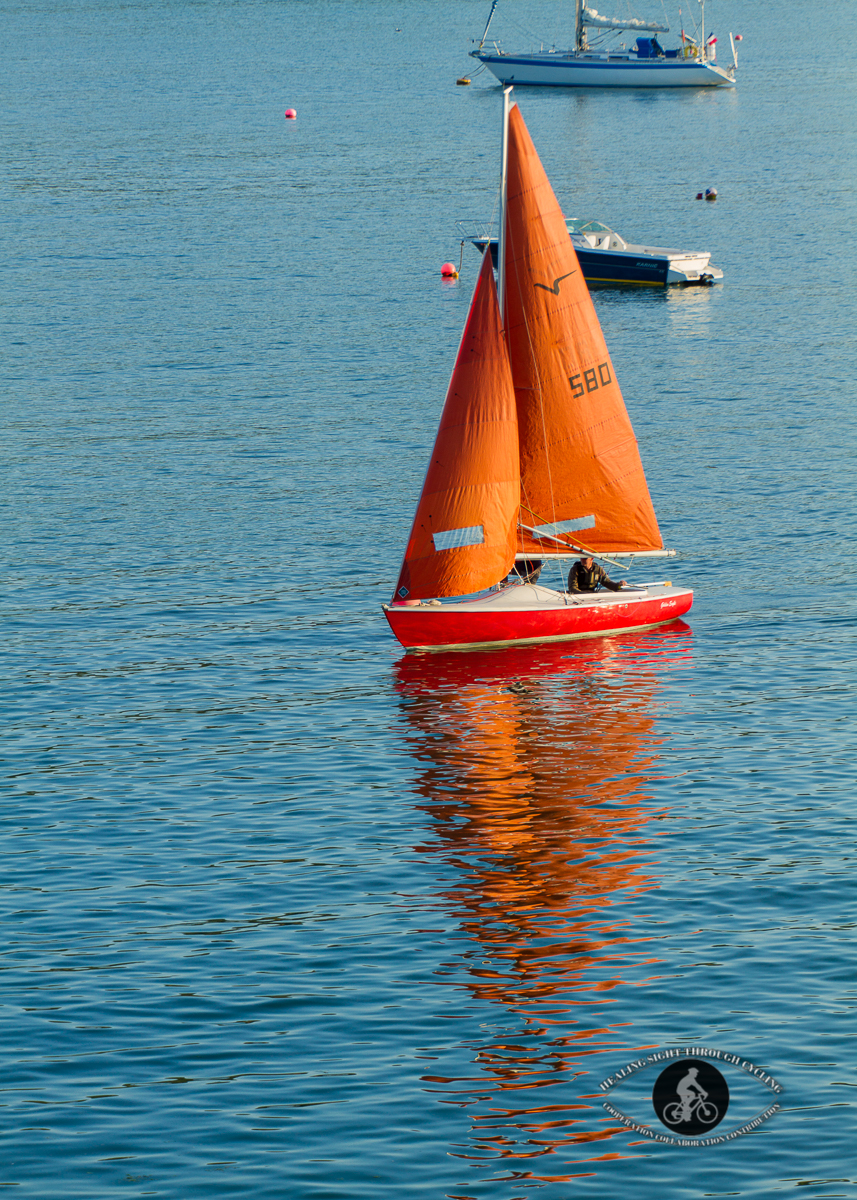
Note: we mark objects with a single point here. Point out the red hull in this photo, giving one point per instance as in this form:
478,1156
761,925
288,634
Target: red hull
493,623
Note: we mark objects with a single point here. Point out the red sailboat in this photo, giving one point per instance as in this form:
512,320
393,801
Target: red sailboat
535,460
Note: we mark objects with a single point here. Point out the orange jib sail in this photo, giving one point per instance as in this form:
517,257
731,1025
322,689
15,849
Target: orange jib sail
464,534
581,476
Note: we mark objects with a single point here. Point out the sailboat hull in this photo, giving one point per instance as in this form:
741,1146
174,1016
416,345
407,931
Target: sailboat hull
529,613
567,69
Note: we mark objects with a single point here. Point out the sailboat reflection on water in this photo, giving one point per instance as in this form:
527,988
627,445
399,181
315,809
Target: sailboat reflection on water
537,768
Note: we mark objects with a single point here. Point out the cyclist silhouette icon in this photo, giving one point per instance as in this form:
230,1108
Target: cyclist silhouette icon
690,1097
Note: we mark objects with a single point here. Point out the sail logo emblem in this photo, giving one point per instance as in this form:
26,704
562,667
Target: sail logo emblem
555,285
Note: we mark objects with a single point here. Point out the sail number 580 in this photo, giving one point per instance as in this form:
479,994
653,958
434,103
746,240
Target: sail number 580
591,380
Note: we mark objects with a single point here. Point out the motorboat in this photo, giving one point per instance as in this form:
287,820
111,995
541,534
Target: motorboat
605,257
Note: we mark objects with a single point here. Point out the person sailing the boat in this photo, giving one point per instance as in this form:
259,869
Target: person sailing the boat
587,576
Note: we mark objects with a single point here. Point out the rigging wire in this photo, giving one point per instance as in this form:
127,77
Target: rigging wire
525,32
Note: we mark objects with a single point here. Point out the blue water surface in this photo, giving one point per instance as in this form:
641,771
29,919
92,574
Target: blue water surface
287,912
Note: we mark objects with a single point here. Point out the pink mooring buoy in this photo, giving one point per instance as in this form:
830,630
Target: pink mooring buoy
448,271
291,114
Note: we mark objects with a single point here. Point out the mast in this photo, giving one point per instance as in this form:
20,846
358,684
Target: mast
504,161
704,47
578,23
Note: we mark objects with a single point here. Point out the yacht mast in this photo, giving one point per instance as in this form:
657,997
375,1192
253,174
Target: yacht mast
504,157
704,48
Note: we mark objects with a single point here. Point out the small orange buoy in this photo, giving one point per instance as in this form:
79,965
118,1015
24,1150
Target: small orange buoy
462,82
291,114
448,271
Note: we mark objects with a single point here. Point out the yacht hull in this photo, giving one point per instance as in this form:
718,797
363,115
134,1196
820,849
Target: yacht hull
565,69
521,614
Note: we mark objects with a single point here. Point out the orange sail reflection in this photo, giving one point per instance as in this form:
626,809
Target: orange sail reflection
536,770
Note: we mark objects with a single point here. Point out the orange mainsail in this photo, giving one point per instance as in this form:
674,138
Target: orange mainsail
580,466
464,534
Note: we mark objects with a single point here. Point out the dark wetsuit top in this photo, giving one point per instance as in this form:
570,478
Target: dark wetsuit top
581,580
